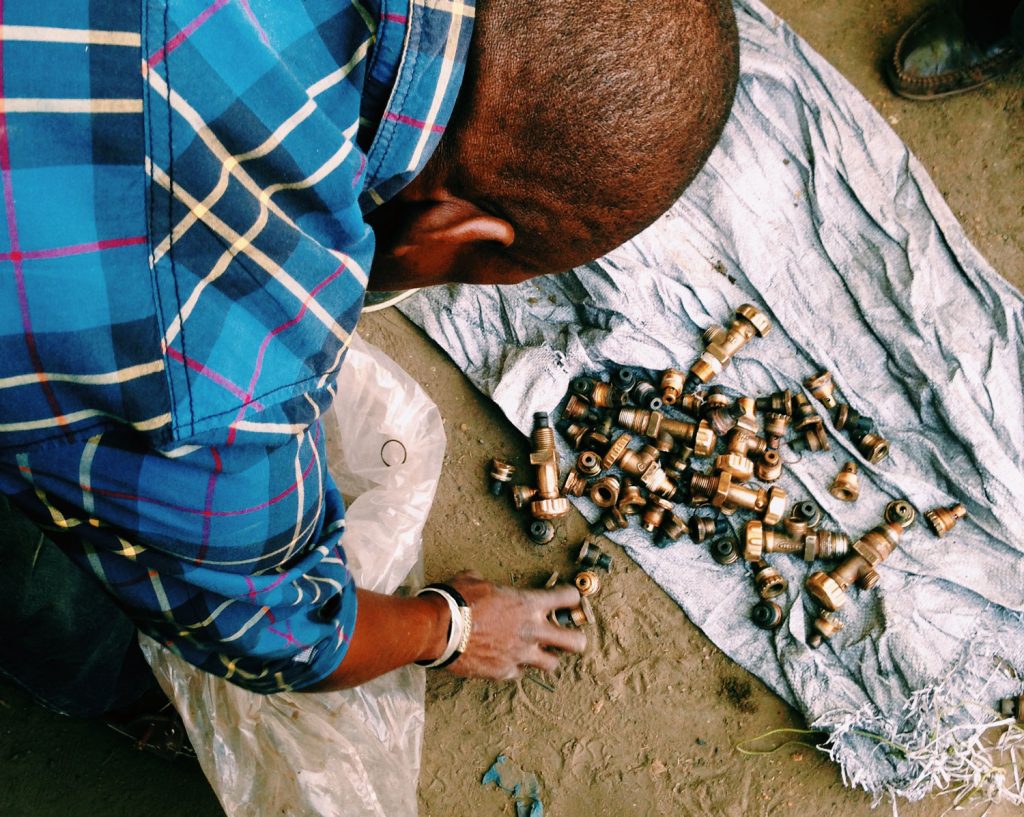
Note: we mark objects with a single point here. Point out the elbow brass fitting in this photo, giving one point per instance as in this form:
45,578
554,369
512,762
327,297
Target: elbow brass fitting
724,550
942,520
588,464
901,511
646,396
501,475
768,581
671,386
631,499
640,421
541,531
587,582
846,485
745,442
549,504
766,614
574,484
624,380
723,345
776,427
741,467
706,527
780,402
605,492
591,555
654,513
826,625
829,589
873,447
717,411
822,388
758,540
769,467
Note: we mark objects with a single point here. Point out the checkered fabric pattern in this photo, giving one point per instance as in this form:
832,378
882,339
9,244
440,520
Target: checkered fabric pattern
183,259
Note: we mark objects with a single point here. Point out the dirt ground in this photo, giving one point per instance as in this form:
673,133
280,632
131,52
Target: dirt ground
646,722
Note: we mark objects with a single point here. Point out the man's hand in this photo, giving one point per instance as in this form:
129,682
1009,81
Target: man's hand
511,629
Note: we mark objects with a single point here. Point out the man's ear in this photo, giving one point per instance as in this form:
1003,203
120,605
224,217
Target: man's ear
451,221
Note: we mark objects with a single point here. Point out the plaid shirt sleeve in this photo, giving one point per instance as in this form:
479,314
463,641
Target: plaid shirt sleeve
183,258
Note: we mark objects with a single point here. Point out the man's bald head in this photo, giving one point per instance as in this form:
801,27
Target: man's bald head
577,125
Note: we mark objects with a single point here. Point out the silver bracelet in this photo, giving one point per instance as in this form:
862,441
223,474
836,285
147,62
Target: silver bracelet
460,624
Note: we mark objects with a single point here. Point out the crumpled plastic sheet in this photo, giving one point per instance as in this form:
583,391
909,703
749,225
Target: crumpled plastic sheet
812,208
356,752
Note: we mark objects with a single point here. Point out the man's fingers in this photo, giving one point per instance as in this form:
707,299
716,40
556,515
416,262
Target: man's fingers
556,598
543,660
562,638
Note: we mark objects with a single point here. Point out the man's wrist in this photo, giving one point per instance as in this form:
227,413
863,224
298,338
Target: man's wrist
438,618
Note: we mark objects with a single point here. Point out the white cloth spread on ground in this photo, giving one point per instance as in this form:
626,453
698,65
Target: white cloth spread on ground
812,208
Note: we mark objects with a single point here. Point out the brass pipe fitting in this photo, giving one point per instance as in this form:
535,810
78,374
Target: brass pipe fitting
596,392
541,531
812,438
822,388
646,396
768,581
746,418
501,475
588,464
631,499
636,462
698,436
902,512
717,410
640,421
549,504
942,520
605,492
826,625
728,495
776,427
576,616
615,450
691,403
624,380
664,442
808,512
780,402
578,409
741,467
829,589
846,485
591,555
723,345
673,526
676,467
654,513
766,614
746,443
522,495
611,519
702,528
724,550
574,484
873,447
587,582
671,386
758,540
769,467
851,421
825,544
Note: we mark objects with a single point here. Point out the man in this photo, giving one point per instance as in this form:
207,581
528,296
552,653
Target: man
185,256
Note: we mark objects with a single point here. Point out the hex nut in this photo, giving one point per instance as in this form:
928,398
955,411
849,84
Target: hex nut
704,440
776,507
901,512
826,590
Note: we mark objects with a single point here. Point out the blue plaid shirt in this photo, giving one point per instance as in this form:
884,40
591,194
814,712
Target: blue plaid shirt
183,259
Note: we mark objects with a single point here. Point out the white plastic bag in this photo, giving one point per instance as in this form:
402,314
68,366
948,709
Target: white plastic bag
354,752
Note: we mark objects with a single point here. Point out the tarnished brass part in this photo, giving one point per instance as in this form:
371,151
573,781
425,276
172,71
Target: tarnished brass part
615,451
826,625
729,495
745,442
578,408
676,467
691,404
741,467
640,421
698,436
673,526
702,528
553,508
552,581
851,421
825,544
902,512
706,368
611,519
646,396
776,427
766,614
522,495
605,492
574,484
781,402
812,438
846,485
588,464
654,513
501,475
724,550
822,388
664,442
583,386
769,467
631,499
803,412
942,520
549,504
759,539
624,380
717,410
713,334
644,465
1012,707
794,526
541,531
671,386
873,548
587,582
591,555
722,345
768,581
577,616
603,427
873,448
808,512
746,419
775,508
574,433
604,395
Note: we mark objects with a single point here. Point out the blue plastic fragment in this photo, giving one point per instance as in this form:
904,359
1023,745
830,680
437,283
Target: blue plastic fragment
523,786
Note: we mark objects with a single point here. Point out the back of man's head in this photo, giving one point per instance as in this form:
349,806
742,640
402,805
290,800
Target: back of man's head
580,121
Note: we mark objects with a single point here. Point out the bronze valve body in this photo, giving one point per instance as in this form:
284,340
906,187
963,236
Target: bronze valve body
829,589
795,526
824,544
776,427
631,499
671,386
781,402
722,344
654,513
604,395
901,511
768,581
645,395
616,450
587,582
852,421
541,531
522,495
697,436
574,484
591,555
640,421
501,475
724,550
758,540
588,464
549,503
728,495
692,404
644,465
766,614
846,485
605,492
822,387
745,442
942,520
826,625
741,467
873,448
769,467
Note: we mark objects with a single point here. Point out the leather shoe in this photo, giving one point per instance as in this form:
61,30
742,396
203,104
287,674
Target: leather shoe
936,57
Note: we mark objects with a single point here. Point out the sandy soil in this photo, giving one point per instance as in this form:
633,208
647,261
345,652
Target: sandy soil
646,722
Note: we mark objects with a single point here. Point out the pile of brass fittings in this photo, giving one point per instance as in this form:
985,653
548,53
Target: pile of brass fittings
639,441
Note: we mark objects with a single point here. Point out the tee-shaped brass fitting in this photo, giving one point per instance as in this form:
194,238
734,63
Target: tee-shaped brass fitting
942,520
758,540
549,503
722,345
829,589
644,465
